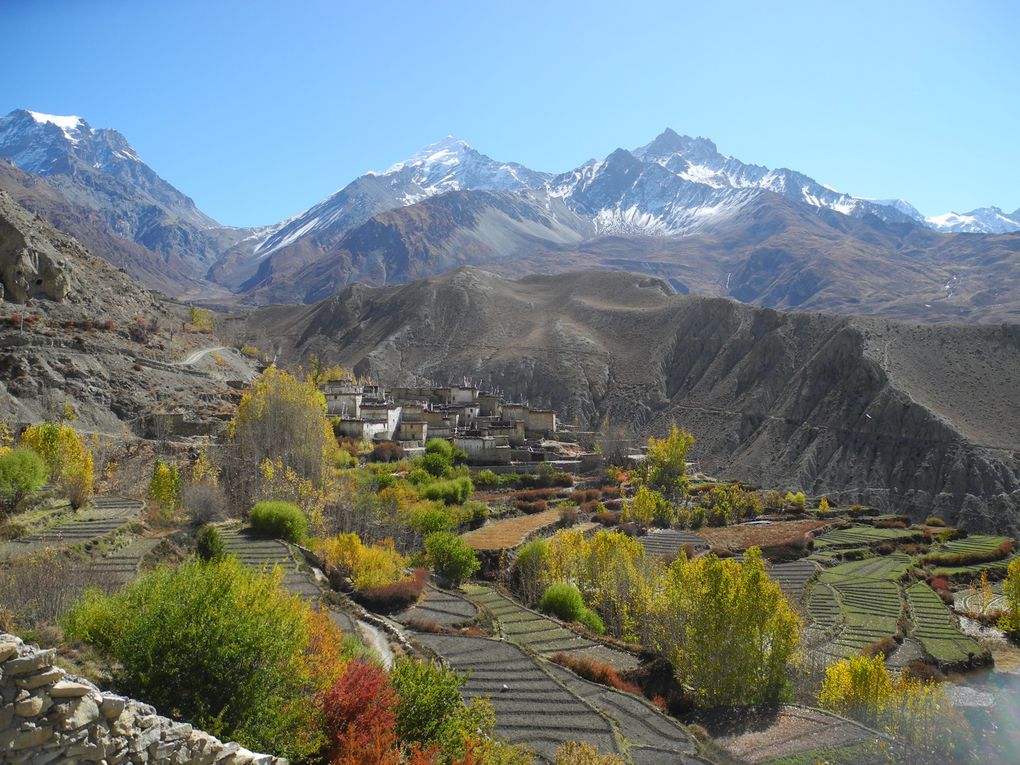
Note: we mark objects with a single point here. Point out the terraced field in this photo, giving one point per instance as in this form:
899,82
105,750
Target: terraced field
794,734
531,707
439,606
651,737
102,517
541,634
825,612
869,601
935,627
265,554
863,536
793,577
666,543
975,543
510,532
995,568
124,564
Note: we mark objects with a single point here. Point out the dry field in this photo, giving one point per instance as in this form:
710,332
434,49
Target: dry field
509,533
779,533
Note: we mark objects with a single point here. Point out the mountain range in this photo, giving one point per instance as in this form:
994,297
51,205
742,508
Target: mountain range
675,207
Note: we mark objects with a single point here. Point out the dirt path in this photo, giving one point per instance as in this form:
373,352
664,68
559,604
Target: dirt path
196,355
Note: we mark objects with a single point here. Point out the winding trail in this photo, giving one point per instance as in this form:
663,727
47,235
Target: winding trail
196,355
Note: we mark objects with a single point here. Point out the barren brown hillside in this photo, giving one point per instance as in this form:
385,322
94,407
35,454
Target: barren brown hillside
916,419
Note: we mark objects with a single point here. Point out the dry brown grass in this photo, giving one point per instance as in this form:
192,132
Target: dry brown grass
772,535
511,532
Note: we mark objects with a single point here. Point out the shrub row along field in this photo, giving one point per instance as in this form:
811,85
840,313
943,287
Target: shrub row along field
975,549
540,633
510,532
864,536
935,628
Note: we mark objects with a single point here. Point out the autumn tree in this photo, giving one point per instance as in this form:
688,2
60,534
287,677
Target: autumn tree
1010,620
67,456
665,467
165,488
280,422
726,627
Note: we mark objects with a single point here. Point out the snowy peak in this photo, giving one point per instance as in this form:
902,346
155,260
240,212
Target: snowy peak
47,144
71,126
452,165
984,220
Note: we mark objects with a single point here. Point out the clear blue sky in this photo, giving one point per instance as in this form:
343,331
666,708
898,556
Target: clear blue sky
260,109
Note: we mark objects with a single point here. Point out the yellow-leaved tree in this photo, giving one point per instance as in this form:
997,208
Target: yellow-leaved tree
280,432
67,455
1009,622
726,627
916,713
665,467
165,488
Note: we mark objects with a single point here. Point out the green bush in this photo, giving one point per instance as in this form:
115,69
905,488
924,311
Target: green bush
419,477
450,557
22,471
209,544
455,491
429,520
215,644
430,709
436,464
592,621
487,478
441,447
564,600
282,520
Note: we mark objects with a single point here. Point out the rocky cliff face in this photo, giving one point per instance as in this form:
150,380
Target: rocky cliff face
853,408
91,337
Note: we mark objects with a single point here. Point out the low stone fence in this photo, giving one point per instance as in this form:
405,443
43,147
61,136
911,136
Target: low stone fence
47,717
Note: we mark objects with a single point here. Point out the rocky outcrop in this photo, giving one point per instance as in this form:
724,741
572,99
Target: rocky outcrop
30,267
47,716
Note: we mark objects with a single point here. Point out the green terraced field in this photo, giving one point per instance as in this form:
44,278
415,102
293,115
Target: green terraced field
994,568
871,609
936,628
973,543
858,536
823,607
891,567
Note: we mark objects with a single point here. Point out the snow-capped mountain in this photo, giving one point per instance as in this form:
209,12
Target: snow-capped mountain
984,220
447,165
98,169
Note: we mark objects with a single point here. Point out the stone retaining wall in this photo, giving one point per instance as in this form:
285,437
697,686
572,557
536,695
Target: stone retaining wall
48,717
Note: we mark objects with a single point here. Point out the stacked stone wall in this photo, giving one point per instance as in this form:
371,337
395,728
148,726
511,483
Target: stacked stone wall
47,717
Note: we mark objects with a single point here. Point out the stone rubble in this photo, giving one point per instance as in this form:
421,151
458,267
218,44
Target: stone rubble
48,717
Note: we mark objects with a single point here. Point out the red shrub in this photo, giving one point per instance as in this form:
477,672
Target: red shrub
585,495
596,671
533,495
538,506
388,451
616,505
359,718
606,518
394,597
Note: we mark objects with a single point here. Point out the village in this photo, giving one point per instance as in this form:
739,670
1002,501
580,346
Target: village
494,433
